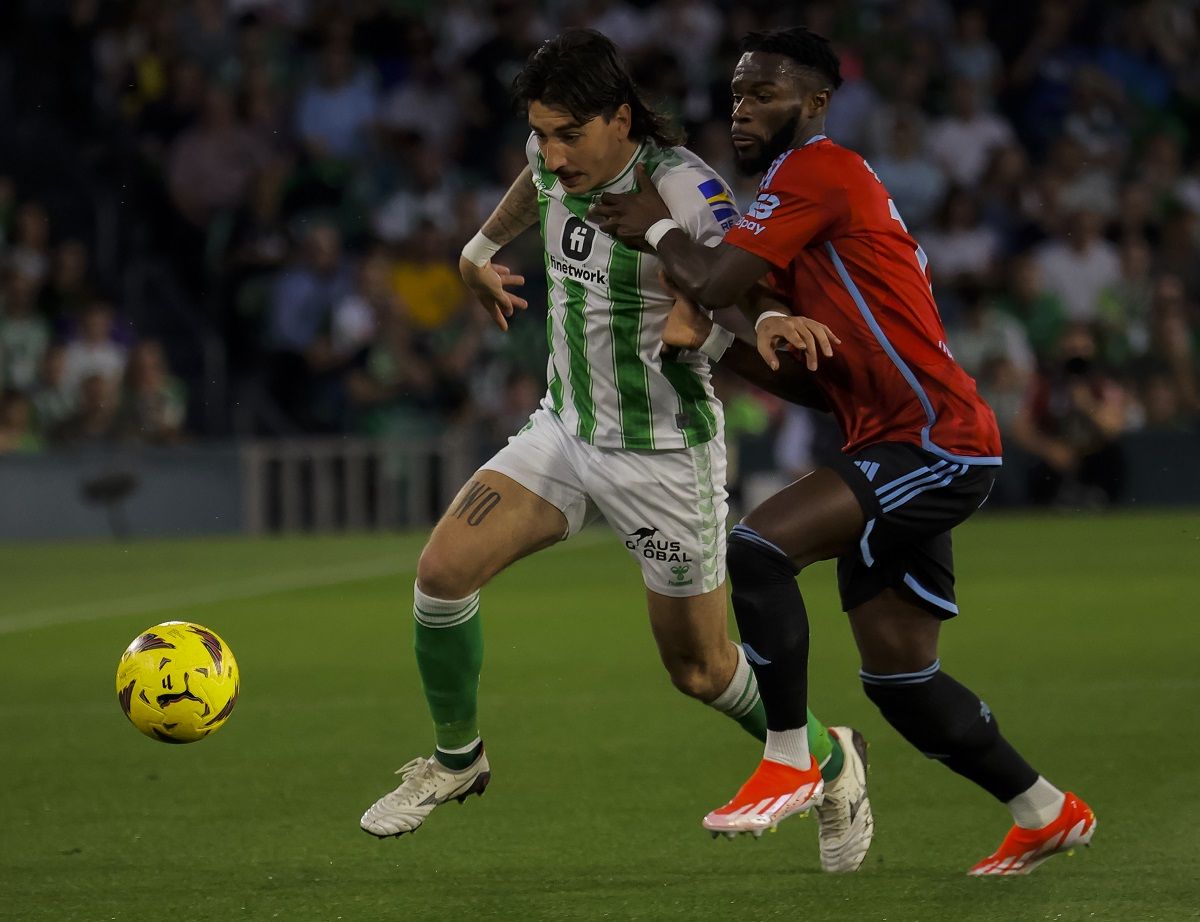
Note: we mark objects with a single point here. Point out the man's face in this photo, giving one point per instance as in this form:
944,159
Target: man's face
773,99
582,155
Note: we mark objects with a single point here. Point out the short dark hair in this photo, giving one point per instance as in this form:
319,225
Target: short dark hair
581,71
805,48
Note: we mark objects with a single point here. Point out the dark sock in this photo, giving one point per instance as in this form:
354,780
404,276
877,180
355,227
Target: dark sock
947,721
773,625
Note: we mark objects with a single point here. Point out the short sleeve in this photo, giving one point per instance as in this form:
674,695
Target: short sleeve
797,205
699,202
531,152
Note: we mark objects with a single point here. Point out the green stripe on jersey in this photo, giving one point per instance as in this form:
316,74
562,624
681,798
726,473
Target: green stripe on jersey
625,324
554,384
579,369
698,422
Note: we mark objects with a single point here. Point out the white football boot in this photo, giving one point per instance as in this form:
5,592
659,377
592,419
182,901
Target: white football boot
427,784
844,816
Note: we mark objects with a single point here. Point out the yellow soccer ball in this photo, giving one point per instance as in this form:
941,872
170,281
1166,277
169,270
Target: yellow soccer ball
178,682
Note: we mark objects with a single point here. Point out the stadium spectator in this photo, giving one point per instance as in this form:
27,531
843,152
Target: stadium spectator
1079,266
914,179
69,288
17,435
94,351
336,111
987,334
30,250
1071,423
304,370
963,141
24,333
962,249
211,167
153,404
52,400
93,422
1173,351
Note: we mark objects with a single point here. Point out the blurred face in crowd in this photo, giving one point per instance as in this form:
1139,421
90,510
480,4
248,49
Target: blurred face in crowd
147,365
14,413
964,99
324,247
1085,228
582,155
96,325
777,105
71,267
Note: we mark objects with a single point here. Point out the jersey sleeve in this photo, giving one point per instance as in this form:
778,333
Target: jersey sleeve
531,152
699,202
798,204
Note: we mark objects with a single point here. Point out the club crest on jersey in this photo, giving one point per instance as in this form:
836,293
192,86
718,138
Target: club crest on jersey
577,239
720,201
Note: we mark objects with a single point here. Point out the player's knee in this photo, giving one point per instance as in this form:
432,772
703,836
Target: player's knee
444,575
697,678
752,559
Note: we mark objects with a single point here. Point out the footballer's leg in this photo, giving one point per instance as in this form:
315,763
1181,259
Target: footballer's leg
692,633
946,721
812,519
495,520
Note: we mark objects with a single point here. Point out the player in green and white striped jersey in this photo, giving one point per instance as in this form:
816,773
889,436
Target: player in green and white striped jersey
621,432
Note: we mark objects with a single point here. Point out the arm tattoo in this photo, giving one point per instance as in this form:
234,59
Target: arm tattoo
517,211
478,499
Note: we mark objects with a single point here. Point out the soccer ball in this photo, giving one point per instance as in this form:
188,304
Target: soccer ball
178,682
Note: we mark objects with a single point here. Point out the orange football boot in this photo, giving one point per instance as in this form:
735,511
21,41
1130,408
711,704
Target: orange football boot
774,792
1024,849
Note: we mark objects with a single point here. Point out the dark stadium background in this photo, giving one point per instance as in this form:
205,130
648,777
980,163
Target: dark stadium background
229,232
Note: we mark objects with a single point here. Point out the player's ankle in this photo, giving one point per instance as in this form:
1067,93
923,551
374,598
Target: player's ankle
457,759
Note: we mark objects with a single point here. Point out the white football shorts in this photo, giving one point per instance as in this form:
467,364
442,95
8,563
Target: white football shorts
667,507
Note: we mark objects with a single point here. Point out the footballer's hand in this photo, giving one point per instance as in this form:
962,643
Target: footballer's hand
796,334
488,282
687,327
629,215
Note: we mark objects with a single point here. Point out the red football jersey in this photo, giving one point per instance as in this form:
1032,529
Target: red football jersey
843,256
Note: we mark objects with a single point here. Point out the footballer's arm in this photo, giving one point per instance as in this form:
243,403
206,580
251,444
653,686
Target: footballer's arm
516,213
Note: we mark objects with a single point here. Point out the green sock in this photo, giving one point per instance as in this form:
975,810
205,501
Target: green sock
449,646
825,748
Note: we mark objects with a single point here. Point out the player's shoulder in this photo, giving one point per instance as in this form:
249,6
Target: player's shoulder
819,161
682,177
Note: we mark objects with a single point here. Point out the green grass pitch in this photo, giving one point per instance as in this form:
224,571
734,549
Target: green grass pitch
1083,634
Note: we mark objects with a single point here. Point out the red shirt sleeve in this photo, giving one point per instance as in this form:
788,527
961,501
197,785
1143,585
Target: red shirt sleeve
797,205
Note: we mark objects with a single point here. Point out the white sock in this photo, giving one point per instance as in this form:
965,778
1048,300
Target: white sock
1037,807
463,750
436,613
790,747
741,695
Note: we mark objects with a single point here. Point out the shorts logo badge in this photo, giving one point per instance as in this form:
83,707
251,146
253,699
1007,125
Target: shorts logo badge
643,541
680,571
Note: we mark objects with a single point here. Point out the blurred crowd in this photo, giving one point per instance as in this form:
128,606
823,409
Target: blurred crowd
303,173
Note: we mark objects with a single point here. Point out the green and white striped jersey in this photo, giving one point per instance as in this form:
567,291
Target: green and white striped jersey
607,309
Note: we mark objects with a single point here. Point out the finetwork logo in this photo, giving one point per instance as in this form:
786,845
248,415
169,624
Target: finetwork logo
599,276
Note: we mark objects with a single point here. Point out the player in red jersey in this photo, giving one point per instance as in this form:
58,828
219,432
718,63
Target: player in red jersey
826,238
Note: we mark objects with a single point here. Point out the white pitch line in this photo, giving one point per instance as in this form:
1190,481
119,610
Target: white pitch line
162,603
